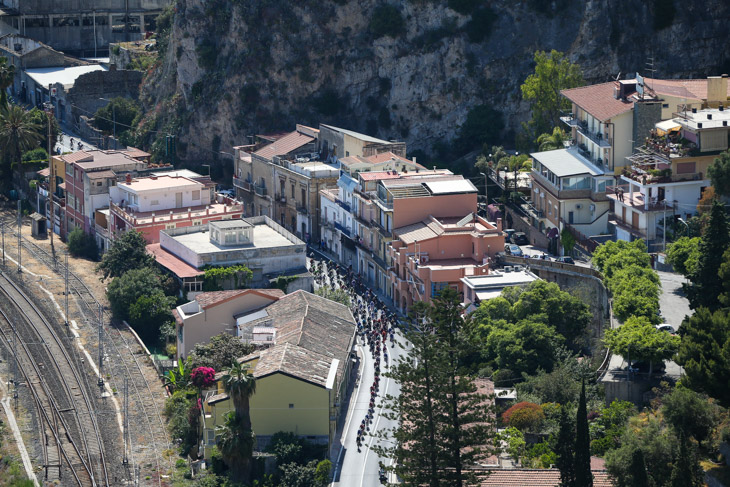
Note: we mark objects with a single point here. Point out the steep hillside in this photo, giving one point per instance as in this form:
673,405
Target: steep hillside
408,70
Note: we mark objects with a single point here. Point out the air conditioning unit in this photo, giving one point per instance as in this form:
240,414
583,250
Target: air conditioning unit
508,268
578,207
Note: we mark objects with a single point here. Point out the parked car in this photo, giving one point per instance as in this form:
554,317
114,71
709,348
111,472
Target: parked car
227,192
643,367
565,260
508,234
666,327
513,250
520,238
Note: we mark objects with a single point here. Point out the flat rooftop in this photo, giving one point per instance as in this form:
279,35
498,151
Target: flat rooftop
264,237
499,280
63,75
154,183
566,162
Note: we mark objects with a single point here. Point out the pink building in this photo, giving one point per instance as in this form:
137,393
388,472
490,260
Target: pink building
163,202
437,239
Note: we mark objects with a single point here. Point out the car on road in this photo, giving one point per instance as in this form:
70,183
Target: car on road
565,260
513,250
666,327
520,238
643,367
508,234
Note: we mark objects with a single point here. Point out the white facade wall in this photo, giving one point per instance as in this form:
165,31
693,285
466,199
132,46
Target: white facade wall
161,199
623,129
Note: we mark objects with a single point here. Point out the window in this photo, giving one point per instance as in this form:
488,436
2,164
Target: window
230,237
196,195
155,202
66,22
197,222
304,197
169,226
291,406
685,167
437,287
292,192
36,22
665,105
98,183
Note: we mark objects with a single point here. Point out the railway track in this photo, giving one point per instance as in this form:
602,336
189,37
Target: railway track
72,443
122,356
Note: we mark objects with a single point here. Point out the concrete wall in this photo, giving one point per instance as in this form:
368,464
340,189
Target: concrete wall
83,97
645,115
407,211
623,135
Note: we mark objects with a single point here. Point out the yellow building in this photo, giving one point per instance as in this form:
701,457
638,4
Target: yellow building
301,378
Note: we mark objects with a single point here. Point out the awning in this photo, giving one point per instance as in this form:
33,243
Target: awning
552,233
667,126
347,184
62,185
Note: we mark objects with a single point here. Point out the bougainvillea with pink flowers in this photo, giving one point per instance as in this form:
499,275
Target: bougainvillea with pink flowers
202,377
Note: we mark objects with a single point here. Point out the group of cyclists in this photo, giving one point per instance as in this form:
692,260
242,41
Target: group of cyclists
375,325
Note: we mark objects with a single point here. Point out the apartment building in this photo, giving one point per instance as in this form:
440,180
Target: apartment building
88,175
568,189
164,202
668,174
437,238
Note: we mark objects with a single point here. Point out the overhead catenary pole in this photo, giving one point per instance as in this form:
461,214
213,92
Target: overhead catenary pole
49,114
2,230
66,293
125,457
20,228
101,347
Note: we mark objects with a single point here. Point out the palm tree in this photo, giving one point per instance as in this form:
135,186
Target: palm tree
18,133
7,73
552,141
236,438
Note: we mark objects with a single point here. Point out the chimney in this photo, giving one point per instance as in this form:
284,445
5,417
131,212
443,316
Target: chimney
716,90
129,178
709,116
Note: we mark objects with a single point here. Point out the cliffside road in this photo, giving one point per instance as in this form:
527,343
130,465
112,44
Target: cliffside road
672,301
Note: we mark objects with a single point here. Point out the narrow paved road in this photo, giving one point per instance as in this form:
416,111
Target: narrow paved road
672,301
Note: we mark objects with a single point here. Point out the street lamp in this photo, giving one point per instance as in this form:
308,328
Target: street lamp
114,116
486,187
685,224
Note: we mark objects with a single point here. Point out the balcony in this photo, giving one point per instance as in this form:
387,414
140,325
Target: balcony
241,184
135,218
381,229
344,205
260,190
569,120
342,229
597,138
647,167
302,209
281,199
638,201
559,193
101,230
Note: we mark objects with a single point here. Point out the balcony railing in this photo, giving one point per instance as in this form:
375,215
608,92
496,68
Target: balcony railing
381,229
570,120
637,200
342,228
240,183
260,190
596,137
281,199
344,205
302,209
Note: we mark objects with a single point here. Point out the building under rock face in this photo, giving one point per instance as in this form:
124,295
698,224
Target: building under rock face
81,27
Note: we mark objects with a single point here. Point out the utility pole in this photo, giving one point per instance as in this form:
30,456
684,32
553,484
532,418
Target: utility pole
125,457
486,190
664,229
2,230
66,294
49,114
101,348
20,228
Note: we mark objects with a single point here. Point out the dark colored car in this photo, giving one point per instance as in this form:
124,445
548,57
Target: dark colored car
565,260
643,367
520,238
508,234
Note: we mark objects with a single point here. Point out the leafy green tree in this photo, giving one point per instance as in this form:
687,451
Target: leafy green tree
124,109
127,251
638,339
719,173
483,125
178,408
322,473
298,475
525,416
705,287
657,444
553,73
338,295
565,449
583,475
219,352
704,353
125,290
554,140
690,414
567,240
610,426
515,440
236,437
18,133
287,447
559,386
524,347
684,254
687,471
635,293
40,118
7,74
149,312
612,256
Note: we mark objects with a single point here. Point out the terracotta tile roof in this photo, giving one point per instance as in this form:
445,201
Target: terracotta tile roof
284,145
170,262
598,100
136,153
695,89
526,477
213,298
45,172
378,176
77,156
292,360
385,157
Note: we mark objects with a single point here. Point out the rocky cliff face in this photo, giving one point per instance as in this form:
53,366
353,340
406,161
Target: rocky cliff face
238,67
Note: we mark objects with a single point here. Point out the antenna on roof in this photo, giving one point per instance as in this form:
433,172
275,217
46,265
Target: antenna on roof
618,76
651,69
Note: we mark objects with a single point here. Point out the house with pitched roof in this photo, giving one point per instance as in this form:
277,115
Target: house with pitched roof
301,364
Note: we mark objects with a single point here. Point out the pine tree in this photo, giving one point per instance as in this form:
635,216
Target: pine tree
638,469
583,475
565,449
706,286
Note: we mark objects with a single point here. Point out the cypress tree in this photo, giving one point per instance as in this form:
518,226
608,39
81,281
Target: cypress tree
565,449
638,469
686,471
583,475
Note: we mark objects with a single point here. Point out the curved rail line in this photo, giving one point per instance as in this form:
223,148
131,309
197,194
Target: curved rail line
52,351
87,299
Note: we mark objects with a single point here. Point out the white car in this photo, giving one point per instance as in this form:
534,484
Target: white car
666,327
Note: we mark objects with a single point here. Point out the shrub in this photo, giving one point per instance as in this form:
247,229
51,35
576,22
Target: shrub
387,21
525,416
202,377
37,154
82,244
